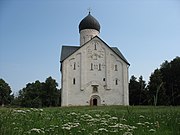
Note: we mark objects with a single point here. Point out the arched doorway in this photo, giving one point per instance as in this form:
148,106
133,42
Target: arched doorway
95,100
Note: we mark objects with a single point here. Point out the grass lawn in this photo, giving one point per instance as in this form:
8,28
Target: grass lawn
105,120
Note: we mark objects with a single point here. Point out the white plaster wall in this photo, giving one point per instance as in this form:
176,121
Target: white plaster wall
81,92
87,34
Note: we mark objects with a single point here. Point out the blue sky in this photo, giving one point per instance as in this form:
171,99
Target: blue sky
32,32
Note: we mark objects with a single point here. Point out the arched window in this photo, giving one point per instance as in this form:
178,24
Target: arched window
116,81
74,67
74,81
99,67
115,68
95,88
95,47
91,66
84,39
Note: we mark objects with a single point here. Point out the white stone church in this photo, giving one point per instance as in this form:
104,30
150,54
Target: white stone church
93,74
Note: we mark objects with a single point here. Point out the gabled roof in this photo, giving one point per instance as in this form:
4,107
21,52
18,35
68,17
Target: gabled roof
68,50
116,50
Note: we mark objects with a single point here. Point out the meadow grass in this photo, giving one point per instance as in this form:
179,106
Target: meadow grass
104,120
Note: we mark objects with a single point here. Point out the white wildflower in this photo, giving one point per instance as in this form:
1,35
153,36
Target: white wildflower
127,133
117,125
95,132
20,111
123,119
36,109
107,115
73,113
141,116
104,123
103,129
70,125
114,131
16,128
97,115
27,110
139,123
41,110
146,122
133,127
86,116
67,128
113,118
37,130
152,130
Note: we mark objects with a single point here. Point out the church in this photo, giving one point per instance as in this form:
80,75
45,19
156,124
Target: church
93,73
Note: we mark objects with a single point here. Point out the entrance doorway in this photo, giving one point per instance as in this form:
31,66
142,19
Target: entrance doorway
95,100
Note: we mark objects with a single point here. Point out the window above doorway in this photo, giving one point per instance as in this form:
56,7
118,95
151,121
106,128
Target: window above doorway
95,88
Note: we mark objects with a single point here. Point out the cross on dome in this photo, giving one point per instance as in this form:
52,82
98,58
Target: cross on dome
89,9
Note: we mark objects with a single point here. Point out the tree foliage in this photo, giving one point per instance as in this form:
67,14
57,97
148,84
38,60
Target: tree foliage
137,91
156,90
5,93
163,87
171,78
39,94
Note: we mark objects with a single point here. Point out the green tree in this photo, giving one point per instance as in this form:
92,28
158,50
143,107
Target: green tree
137,91
164,84
30,95
39,94
171,78
5,93
133,89
157,92
50,92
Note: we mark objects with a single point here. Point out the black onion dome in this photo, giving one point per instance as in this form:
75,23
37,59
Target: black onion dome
89,22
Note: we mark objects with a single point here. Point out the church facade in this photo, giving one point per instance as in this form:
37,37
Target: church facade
93,73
